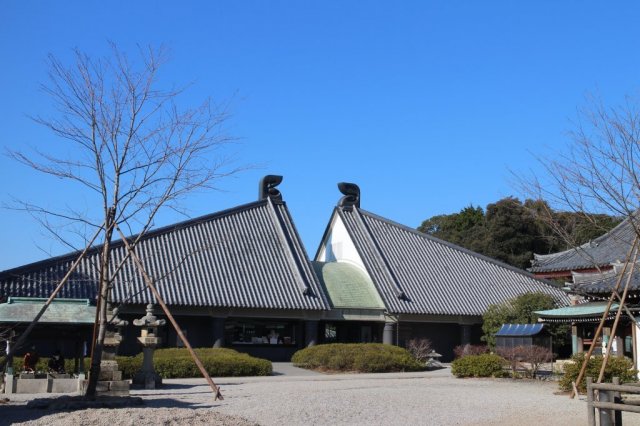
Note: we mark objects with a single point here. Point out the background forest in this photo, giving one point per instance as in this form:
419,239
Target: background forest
512,231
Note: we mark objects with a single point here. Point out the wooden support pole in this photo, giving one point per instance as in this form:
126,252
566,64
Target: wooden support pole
149,282
25,334
583,369
612,336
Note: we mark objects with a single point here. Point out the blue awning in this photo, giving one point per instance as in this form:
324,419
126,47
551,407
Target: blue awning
520,330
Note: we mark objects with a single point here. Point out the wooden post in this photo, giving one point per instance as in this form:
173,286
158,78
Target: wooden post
606,418
591,411
149,282
55,292
617,399
612,334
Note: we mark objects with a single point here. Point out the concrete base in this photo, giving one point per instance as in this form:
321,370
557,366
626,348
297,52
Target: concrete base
32,386
9,383
108,387
147,380
46,385
113,388
65,385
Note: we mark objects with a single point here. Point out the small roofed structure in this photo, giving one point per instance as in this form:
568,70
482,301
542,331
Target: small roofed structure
64,326
513,335
61,311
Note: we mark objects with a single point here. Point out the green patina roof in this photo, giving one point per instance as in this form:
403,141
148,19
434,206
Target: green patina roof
584,310
348,286
60,311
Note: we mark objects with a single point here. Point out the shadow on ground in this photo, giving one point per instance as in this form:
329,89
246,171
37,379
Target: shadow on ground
37,408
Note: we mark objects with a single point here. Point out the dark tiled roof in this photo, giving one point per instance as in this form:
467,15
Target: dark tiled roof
420,274
247,257
603,251
604,283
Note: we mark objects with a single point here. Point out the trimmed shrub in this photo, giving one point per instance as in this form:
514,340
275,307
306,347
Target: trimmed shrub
356,357
483,365
219,362
177,363
616,367
130,365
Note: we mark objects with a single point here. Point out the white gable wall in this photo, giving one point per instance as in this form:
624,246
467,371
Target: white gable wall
338,247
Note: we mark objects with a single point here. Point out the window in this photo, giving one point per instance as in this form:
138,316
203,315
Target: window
256,332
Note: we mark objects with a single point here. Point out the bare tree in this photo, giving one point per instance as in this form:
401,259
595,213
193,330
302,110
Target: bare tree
600,172
528,358
420,349
133,149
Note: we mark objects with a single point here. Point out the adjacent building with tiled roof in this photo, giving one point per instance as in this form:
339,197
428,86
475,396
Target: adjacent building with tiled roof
248,257
242,278
595,255
592,273
430,288
230,276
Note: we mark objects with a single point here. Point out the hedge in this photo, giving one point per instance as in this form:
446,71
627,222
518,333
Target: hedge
616,367
483,365
177,363
42,364
356,357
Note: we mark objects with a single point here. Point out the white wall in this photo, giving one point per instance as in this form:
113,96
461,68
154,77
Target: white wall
338,247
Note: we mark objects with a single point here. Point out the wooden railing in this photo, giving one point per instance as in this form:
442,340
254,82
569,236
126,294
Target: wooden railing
605,397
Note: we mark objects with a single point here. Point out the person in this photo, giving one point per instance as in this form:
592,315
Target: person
56,363
30,360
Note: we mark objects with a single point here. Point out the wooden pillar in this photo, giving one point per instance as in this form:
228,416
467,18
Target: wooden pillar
218,332
576,340
465,334
606,335
619,346
311,333
387,333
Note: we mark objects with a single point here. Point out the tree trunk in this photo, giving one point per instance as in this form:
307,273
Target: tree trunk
103,299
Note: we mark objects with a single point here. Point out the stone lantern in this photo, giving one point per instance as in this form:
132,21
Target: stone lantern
149,340
110,380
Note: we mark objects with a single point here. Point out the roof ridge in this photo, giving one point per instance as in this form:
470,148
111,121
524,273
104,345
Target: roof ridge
616,229
459,248
287,243
149,234
400,293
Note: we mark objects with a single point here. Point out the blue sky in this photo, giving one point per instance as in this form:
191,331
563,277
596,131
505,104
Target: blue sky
426,105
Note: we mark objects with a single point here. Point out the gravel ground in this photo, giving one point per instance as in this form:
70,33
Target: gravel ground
430,398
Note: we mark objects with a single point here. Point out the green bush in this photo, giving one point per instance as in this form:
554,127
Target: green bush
129,365
616,367
356,357
177,363
483,365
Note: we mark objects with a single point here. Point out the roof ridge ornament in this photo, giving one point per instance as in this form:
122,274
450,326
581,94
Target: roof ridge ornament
268,188
351,193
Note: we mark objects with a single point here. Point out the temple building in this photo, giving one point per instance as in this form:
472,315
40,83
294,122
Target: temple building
594,256
241,278
592,272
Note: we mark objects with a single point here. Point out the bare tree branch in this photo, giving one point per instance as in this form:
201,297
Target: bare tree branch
133,147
